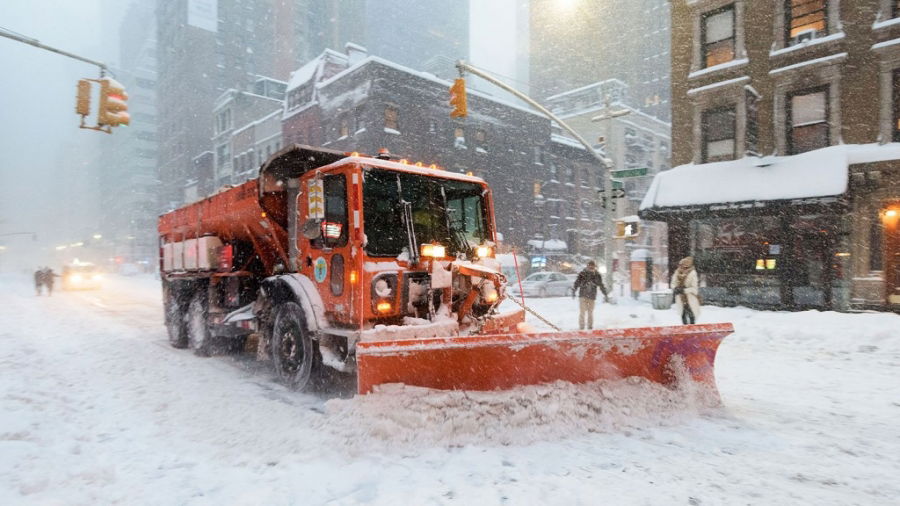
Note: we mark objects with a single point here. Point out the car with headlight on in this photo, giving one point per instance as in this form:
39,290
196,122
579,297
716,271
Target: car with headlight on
81,276
544,284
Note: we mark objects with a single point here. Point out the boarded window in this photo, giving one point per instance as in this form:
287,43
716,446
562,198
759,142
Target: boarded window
391,118
718,36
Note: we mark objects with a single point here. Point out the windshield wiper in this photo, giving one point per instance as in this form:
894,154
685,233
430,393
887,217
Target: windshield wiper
407,218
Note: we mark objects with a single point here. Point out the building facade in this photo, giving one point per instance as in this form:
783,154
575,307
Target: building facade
580,42
634,141
236,116
788,188
544,186
128,159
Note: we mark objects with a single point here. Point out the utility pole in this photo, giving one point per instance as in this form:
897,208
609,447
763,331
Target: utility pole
604,162
36,43
608,183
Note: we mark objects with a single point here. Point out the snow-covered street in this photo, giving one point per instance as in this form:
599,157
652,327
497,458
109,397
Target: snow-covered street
96,408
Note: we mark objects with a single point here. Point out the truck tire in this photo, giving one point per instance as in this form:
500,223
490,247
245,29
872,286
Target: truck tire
198,334
295,355
174,310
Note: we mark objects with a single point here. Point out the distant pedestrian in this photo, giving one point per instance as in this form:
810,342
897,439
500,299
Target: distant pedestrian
39,281
586,285
686,289
48,276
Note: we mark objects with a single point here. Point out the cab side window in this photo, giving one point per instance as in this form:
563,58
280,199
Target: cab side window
334,229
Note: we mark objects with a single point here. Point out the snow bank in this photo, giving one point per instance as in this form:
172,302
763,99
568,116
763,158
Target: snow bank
414,416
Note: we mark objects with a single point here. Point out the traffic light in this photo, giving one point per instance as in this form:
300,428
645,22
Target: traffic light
113,107
458,99
627,229
83,99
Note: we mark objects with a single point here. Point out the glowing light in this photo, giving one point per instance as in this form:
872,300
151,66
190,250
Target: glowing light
483,251
354,277
419,164
263,214
470,173
383,307
433,166
404,161
434,251
355,153
890,213
842,254
97,236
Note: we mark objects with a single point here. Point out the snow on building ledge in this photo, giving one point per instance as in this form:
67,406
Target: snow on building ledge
548,245
820,173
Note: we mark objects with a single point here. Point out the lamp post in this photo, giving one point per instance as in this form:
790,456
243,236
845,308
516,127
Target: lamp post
608,181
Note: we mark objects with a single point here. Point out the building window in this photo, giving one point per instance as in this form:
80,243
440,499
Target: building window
896,105
808,120
751,134
538,155
718,36
391,118
803,17
718,130
459,138
345,127
895,8
876,243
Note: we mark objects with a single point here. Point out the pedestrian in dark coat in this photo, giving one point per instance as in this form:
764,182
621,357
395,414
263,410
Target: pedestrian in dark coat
48,279
586,285
39,281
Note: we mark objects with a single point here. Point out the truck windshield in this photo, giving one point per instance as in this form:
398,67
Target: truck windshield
443,211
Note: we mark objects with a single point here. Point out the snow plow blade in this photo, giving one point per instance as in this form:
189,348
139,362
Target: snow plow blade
500,362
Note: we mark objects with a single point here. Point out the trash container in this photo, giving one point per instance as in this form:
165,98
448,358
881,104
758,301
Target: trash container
661,300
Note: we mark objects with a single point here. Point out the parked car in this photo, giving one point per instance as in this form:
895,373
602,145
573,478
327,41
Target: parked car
545,284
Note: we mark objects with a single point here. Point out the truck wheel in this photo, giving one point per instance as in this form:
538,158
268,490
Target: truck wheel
176,325
198,333
295,355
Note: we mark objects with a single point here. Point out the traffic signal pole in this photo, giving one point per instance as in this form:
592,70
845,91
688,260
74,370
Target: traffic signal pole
605,163
36,43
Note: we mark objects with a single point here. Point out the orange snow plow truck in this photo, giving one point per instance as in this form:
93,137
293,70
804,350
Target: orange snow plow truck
386,270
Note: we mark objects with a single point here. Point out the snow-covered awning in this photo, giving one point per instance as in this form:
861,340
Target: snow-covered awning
815,174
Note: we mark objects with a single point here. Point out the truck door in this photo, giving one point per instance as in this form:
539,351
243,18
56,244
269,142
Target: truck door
325,246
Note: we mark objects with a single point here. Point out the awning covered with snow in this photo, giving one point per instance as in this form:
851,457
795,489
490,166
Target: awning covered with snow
752,182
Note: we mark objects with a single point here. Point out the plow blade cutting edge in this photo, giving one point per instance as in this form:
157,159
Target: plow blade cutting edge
500,362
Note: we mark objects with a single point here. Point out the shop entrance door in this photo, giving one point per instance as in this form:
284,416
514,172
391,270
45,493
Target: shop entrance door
813,271
891,220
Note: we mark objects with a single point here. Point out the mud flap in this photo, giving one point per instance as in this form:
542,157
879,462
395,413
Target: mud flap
499,362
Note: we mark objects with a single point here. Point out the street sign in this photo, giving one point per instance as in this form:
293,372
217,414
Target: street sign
618,174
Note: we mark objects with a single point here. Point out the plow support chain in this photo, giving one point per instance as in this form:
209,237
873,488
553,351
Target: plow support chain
500,362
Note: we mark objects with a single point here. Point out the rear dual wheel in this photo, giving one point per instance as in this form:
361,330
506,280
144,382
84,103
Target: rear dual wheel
175,310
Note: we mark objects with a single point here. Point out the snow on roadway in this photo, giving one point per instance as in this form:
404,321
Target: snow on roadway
95,408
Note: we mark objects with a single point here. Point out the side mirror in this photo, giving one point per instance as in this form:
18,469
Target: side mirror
312,229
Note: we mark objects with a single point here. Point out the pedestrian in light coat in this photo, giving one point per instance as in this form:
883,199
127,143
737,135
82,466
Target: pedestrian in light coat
686,290
586,285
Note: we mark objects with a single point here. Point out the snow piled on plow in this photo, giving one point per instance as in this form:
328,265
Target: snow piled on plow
401,414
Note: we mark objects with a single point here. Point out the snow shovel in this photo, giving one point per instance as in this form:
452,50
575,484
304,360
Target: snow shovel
504,361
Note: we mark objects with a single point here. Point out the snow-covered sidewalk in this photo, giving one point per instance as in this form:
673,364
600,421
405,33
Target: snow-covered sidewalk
96,408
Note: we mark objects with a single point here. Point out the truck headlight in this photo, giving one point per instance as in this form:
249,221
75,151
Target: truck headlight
434,251
484,251
75,278
489,293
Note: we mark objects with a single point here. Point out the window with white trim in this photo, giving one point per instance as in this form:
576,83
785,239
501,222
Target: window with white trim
808,120
718,36
718,129
802,17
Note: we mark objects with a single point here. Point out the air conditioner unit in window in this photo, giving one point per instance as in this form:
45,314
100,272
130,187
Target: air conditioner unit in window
806,35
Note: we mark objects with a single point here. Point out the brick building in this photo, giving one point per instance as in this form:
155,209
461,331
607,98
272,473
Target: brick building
788,185
545,187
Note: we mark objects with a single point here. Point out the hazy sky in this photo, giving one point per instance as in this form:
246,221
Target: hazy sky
39,132
37,100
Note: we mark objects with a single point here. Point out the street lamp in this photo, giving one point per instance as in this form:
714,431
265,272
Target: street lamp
608,182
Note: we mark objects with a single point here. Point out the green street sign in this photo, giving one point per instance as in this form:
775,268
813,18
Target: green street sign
618,185
629,173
